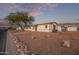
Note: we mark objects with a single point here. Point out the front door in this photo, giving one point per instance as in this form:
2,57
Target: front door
35,27
54,28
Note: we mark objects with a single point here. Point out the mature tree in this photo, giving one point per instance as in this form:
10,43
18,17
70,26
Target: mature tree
20,19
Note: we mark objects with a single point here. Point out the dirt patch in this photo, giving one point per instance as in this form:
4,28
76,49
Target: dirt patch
50,43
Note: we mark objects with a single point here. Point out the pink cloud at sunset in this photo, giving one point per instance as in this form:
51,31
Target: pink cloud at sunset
37,13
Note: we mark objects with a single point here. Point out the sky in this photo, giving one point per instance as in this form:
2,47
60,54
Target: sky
44,12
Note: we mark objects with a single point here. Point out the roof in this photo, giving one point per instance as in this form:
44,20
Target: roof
45,23
69,24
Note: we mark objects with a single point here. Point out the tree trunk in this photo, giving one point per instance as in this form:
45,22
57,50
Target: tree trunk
21,27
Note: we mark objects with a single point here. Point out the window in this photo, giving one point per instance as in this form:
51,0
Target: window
45,26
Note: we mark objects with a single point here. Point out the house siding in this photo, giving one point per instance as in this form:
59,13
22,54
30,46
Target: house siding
48,27
54,27
68,28
59,28
42,28
72,28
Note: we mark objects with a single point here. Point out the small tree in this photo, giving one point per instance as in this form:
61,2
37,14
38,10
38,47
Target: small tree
20,19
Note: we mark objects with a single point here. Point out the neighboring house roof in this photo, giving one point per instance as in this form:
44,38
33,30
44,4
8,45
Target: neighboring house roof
69,24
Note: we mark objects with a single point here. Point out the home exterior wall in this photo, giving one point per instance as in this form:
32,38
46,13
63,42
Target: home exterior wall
59,28
43,28
50,27
68,28
72,29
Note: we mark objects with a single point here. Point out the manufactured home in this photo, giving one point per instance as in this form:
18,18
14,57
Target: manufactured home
44,27
68,27
53,27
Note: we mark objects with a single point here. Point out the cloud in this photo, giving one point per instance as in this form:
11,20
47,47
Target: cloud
13,7
50,5
34,9
37,13
37,10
